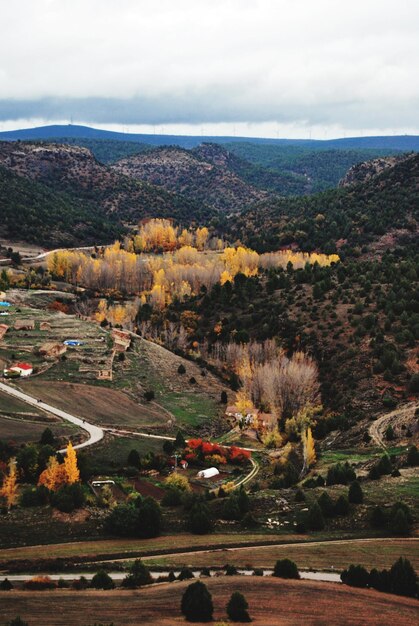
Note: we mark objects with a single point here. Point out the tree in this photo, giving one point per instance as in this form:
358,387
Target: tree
149,518
355,576
177,481
8,490
326,504
231,509
47,438
342,506
123,521
237,608
285,568
102,580
378,517
403,578
315,519
6,585
197,604
355,493
70,465
399,524
138,575
199,521
134,459
413,456
223,398
27,462
17,621
309,450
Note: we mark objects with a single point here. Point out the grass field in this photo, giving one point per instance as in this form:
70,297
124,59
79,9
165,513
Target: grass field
330,555
114,450
24,431
99,405
113,546
272,602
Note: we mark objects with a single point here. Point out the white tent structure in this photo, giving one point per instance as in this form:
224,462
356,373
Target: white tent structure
208,473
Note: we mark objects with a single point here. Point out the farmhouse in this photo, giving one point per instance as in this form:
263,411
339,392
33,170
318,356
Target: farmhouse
52,350
208,473
24,369
121,339
3,330
24,325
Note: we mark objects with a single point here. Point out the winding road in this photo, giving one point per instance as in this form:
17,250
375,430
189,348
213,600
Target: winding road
95,432
378,427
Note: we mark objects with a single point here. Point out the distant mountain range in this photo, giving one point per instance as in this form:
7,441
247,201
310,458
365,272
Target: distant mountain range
401,142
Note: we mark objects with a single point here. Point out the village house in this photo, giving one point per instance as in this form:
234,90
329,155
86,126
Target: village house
3,330
52,350
24,325
252,417
122,340
23,369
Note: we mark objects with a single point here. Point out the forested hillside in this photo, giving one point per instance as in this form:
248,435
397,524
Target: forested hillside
74,171
340,219
31,211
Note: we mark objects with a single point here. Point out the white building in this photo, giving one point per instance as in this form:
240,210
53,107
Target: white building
208,473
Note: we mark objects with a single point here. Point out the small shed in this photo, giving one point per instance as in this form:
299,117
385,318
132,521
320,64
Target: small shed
3,330
104,374
52,349
208,473
24,325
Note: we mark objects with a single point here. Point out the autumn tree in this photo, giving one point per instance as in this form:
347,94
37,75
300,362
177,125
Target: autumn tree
70,464
8,490
309,451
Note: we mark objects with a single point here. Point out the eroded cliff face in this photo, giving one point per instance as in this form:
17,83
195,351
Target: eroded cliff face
363,172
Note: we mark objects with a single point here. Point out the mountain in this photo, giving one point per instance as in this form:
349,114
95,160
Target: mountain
402,142
202,174
362,172
345,219
33,212
74,171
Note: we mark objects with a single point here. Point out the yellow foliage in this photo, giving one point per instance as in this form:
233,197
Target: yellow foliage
70,464
9,488
178,481
309,447
272,439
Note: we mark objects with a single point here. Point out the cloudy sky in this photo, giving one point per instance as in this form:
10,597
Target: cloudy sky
278,68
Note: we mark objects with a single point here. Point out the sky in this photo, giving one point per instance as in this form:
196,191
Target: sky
267,68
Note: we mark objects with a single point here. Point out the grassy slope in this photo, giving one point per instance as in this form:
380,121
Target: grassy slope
271,602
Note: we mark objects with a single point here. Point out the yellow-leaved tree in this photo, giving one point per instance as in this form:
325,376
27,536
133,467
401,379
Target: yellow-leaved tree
70,464
8,490
309,449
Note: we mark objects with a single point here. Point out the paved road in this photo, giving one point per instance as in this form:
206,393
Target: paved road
95,433
118,575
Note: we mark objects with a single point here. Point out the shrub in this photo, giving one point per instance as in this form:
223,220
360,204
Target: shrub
243,500
231,509
340,474
299,496
413,456
149,518
172,497
122,521
102,580
134,459
231,570
315,519
249,521
384,465
326,504
186,573
181,369
223,397
389,433
47,438
414,383
342,506
138,575
399,524
69,498
178,481
81,583
378,517
40,583
285,568
6,585
149,395
355,493
355,576
199,521
197,604
403,578
237,608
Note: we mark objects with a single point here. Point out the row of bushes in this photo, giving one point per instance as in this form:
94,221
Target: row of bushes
400,579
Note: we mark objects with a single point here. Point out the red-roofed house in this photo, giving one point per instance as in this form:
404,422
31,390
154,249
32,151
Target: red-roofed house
24,369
